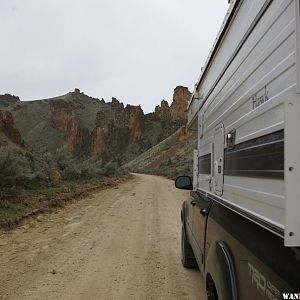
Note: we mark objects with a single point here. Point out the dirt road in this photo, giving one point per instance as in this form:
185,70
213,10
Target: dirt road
122,243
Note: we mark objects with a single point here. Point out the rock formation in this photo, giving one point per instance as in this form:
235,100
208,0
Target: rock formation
134,117
64,118
7,100
87,126
162,111
177,110
99,136
112,135
178,107
7,127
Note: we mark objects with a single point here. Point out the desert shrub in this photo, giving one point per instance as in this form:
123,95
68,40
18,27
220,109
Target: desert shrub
82,170
41,176
73,169
57,166
49,194
110,169
71,172
55,177
62,159
15,170
48,164
25,174
72,187
87,169
8,168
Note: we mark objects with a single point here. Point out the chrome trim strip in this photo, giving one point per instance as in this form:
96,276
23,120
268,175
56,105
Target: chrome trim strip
259,221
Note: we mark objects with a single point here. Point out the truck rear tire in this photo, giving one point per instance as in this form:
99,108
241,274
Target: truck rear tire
211,290
187,255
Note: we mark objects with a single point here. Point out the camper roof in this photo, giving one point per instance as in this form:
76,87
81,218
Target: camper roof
228,17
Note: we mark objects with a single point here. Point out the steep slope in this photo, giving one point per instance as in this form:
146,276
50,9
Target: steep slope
49,149
171,157
50,124
9,135
86,126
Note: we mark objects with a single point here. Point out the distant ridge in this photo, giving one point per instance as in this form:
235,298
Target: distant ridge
85,126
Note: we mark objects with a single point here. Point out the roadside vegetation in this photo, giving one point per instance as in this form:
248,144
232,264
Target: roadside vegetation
32,183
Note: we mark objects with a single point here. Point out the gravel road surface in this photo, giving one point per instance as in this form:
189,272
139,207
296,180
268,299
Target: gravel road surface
121,243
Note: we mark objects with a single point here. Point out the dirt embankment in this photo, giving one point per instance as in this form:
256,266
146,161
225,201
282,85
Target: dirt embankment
120,243
17,209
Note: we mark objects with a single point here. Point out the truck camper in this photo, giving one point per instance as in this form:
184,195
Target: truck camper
241,225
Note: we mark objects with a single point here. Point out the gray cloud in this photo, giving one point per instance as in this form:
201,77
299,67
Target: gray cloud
134,50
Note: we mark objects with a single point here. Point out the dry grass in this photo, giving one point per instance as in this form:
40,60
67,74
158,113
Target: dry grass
14,210
170,158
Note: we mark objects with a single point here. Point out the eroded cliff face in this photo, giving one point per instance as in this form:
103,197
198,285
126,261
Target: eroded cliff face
135,120
162,111
62,113
117,128
87,126
77,138
65,119
112,134
99,137
177,110
178,107
7,127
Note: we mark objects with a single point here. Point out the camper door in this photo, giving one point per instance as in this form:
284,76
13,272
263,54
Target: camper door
218,160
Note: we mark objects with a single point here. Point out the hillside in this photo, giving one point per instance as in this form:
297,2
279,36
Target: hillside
76,137
171,157
55,150
86,126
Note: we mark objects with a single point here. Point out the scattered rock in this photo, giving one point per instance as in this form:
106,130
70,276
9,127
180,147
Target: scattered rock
39,218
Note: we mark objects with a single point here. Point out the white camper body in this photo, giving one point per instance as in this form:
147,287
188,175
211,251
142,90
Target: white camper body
246,108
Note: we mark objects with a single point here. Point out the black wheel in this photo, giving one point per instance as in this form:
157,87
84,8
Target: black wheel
211,290
187,256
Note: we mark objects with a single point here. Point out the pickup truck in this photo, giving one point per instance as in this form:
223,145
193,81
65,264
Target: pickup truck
238,258
241,224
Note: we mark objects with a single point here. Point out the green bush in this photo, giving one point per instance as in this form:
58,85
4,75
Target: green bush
71,172
15,170
110,169
72,187
8,168
49,194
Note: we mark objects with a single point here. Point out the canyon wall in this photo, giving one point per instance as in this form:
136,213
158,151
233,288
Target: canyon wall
86,126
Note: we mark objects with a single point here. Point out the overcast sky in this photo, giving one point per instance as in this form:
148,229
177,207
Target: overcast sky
135,50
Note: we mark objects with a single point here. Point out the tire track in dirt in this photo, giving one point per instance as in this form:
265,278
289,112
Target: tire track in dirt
122,243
